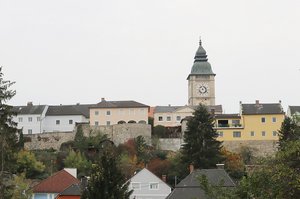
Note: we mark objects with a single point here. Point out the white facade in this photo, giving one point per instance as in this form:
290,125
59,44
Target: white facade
30,123
62,123
172,119
146,185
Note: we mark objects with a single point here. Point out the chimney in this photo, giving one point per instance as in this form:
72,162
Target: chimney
256,102
279,101
29,104
102,99
220,166
169,105
164,178
191,168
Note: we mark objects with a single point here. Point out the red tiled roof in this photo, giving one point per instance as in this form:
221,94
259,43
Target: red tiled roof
56,183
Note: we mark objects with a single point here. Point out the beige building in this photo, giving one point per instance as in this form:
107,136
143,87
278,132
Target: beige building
118,112
171,116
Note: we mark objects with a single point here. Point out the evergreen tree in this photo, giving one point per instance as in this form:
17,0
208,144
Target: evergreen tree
200,146
289,131
107,181
8,133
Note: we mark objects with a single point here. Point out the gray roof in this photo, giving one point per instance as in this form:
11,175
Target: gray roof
170,109
29,109
259,108
220,116
201,66
294,109
166,109
72,190
119,104
189,187
78,109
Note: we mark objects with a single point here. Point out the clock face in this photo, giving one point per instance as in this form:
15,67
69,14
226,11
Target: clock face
203,89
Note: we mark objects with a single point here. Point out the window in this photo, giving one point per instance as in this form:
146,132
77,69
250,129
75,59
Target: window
107,112
96,123
160,118
29,131
236,134
263,120
274,133
96,112
236,123
57,122
178,118
30,119
252,133
168,118
220,133
136,186
38,119
20,119
274,119
263,133
153,186
107,123
70,121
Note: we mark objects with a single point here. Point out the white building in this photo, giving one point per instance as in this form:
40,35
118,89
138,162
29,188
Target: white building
63,118
30,118
146,185
171,116
33,119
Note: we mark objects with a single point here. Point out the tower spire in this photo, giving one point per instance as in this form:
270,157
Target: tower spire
200,42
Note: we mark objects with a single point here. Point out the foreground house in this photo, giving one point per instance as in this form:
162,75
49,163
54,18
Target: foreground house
189,187
146,185
72,192
55,184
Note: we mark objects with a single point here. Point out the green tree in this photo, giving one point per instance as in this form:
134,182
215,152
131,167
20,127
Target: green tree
79,161
8,133
106,180
289,131
200,146
27,163
21,188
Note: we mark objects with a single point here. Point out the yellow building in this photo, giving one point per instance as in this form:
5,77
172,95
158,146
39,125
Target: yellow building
118,112
258,121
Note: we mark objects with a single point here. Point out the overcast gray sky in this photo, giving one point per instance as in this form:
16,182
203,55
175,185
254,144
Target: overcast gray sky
69,51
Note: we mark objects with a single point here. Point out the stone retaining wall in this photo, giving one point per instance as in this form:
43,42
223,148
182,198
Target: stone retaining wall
118,133
258,147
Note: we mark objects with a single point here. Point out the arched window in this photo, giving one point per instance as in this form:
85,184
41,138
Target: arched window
121,122
131,122
142,122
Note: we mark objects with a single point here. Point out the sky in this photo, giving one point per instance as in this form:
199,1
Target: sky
74,51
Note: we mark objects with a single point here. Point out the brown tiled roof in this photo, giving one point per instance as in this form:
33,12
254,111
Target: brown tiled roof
56,183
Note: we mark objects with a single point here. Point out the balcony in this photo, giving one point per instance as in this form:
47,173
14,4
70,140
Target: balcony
221,126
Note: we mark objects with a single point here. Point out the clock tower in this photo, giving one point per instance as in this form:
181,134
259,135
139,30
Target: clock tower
201,88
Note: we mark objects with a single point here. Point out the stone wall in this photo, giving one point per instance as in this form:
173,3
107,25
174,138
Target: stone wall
47,140
258,147
118,133
172,144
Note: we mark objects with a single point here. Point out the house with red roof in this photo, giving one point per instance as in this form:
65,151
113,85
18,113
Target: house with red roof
55,184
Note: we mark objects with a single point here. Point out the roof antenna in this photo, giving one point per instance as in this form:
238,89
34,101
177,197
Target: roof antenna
200,42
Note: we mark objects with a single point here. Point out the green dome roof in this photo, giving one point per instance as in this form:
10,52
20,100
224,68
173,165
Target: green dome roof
201,65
